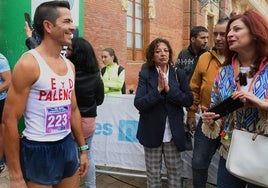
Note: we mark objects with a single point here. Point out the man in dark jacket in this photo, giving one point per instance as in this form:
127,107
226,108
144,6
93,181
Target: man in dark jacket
188,57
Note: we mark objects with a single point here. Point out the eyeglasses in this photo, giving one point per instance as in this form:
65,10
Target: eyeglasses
104,56
158,51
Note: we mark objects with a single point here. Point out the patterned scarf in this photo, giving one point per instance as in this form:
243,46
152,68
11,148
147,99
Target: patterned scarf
225,85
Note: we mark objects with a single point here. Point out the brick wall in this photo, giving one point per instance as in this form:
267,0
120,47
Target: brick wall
105,26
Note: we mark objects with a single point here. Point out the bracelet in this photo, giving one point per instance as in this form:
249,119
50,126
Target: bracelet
83,148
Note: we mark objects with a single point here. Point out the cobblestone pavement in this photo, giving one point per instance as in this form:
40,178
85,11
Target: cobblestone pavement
110,181
4,179
116,181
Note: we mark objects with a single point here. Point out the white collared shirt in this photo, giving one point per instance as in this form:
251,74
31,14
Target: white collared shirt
167,134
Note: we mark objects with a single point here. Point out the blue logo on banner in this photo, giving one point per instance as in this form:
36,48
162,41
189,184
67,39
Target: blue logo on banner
128,130
105,129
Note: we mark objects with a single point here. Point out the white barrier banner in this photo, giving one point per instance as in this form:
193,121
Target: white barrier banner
115,143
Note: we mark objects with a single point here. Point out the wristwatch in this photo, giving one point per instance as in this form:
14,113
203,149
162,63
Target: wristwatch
83,148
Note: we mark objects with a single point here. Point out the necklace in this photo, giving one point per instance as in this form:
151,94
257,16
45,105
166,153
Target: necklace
244,74
257,68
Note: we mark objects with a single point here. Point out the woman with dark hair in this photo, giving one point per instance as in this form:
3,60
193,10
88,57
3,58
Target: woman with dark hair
113,74
89,93
160,99
244,71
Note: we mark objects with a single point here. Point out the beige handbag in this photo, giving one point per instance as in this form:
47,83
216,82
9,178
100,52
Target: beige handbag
248,159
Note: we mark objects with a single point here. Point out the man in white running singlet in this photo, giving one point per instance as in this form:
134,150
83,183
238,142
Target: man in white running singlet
42,90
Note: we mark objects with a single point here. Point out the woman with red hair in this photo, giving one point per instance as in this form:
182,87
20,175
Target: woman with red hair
244,70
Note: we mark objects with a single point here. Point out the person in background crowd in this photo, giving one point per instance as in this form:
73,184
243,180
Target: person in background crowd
5,78
42,89
159,99
245,69
89,92
32,38
201,84
188,57
113,74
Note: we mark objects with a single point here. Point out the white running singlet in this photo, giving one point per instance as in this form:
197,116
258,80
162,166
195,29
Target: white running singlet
47,114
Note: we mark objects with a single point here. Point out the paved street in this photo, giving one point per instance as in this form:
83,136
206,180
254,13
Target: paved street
111,181
4,179
115,181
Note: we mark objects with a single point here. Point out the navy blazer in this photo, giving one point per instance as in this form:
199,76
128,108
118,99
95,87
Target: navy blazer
155,107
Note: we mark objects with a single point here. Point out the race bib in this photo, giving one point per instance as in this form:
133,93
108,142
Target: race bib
58,119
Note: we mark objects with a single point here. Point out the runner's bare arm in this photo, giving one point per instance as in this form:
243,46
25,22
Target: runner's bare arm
24,75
